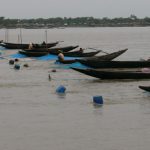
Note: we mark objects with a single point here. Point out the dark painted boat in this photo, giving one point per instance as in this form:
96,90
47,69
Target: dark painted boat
54,50
106,57
70,54
63,49
115,64
33,54
145,88
80,54
25,46
13,45
77,53
110,74
36,49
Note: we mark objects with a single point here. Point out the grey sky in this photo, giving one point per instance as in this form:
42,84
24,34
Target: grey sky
74,8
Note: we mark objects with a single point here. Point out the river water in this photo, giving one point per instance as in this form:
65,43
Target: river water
34,117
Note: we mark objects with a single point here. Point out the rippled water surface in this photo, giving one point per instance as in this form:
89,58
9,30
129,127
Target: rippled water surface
34,117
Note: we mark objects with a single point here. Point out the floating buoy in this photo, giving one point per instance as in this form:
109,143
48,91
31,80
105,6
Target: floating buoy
61,89
11,62
98,100
54,70
16,60
26,65
17,66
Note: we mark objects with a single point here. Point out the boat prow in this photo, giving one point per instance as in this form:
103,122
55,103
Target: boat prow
145,88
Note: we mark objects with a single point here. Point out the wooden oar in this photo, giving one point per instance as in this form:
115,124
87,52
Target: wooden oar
98,50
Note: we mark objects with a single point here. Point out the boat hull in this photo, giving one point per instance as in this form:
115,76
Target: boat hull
76,53
115,64
32,54
55,50
52,50
101,74
25,46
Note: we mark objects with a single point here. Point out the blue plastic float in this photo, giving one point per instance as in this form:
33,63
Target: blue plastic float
61,89
17,66
98,100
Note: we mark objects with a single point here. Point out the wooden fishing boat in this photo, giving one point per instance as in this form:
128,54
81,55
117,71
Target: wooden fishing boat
33,54
13,45
145,88
52,50
115,64
77,53
63,49
25,46
116,74
70,54
106,57
36,49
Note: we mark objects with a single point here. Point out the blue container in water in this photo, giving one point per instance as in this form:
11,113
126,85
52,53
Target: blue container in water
98,100
17,66
61,89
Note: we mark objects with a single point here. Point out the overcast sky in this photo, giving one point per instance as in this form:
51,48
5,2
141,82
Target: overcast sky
74,8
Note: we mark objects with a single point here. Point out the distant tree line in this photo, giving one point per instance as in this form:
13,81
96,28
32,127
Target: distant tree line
74,22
